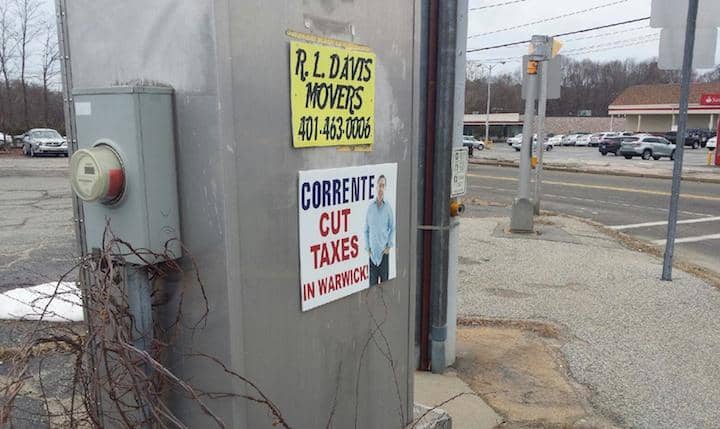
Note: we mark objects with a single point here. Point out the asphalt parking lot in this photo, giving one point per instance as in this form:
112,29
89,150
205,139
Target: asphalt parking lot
37,238
691,158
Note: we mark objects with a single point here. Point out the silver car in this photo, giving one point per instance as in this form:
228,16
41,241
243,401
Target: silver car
41,141
516,139
571,139
647,146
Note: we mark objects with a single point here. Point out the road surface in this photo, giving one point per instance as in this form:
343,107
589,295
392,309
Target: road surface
635,206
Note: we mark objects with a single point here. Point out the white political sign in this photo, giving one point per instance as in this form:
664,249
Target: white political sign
347,231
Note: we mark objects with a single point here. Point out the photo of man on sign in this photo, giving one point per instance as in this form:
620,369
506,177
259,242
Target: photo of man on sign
379,231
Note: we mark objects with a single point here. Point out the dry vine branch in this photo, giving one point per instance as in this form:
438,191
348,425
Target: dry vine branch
113,382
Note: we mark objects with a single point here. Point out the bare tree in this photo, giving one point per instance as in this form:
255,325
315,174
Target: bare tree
8,47
711,76
29,28
50,55
586,85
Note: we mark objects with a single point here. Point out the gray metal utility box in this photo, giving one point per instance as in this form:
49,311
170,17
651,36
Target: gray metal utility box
349,362
137,123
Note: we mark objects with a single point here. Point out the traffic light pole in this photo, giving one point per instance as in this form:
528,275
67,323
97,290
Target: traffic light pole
542,108
521,219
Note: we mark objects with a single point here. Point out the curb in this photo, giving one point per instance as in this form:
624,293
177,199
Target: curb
550,167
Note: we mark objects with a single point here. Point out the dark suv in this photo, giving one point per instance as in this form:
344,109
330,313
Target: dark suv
692,140
612,144
702,134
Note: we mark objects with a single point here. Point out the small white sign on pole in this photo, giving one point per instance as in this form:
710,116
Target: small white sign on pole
347,231
459,172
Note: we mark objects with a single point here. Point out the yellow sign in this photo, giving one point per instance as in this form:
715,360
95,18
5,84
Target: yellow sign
556,46
332,93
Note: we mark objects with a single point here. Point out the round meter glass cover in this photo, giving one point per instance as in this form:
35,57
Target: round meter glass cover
97,174
86,175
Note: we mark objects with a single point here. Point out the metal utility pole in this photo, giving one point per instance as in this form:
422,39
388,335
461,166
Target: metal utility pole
542,107
449,110
679,148
487,111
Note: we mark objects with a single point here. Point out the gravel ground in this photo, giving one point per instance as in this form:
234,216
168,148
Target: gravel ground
647,349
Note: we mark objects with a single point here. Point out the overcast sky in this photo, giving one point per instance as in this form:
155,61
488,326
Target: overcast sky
527,11
628,41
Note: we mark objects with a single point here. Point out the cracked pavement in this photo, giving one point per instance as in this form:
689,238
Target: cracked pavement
37,238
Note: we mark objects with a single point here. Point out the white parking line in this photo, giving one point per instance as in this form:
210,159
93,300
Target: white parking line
690,239
663,222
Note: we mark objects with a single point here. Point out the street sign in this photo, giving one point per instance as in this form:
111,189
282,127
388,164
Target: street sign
554,77
672,45
459,172
671,16
710,100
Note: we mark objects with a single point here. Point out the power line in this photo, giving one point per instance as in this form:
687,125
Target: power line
595,36
584,50
644,38
589,49
472,9
584,30
554,18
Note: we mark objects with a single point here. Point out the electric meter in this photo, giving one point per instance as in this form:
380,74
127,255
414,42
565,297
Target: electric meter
124,171
97,174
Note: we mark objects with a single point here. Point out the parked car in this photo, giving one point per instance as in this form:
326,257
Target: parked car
546,145
691,140
647,146
702,134
571,139
596,138
583,140
41,141
612,144
516,139
472,144
711,143
556,140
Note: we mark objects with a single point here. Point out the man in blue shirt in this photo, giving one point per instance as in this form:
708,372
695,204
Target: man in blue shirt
379,229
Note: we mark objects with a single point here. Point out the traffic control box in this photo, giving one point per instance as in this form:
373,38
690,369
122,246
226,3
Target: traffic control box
239,180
